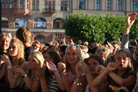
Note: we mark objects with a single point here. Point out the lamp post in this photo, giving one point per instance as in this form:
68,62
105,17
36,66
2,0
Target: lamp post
0,15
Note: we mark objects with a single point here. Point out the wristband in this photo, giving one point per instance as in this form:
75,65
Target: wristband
9,67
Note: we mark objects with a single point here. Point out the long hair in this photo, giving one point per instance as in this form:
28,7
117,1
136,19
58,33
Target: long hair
20,53
130,67
80,55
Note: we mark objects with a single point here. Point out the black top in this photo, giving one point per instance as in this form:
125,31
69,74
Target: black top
27,52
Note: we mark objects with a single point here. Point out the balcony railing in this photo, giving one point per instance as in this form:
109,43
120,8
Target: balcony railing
51,12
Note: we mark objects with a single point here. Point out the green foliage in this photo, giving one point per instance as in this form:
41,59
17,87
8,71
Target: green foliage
97,28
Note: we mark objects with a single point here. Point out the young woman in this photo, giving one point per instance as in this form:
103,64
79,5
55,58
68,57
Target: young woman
73,55
30,80
16,57
121,73
90,74
53,78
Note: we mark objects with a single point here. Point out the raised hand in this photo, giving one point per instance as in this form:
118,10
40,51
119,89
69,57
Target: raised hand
18,69
6,59
40,72
84,67
100,69
51,66
131,19
61,67
111,47
78,69
111,66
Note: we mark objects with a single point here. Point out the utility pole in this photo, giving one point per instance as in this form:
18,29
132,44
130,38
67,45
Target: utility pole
0,16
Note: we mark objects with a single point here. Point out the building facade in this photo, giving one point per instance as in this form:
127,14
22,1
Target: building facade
45,17
114,7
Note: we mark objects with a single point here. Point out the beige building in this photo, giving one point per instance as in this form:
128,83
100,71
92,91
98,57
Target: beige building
114,7
45,17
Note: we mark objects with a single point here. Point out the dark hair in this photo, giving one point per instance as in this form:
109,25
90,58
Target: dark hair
55,56
63,48
98,58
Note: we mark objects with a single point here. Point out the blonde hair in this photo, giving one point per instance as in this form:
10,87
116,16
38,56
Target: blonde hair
81,57
4,36
20,53
39,56
130,66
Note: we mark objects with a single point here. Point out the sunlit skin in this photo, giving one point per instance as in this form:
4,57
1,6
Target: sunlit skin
4,44
122,61
92,64
116,47
32,62
13,49
72,55
48,58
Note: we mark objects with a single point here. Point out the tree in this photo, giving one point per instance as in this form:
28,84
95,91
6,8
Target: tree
96,28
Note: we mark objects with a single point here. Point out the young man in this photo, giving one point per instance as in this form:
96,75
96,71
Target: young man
24,34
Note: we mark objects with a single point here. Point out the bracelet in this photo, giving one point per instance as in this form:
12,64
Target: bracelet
9,67
77,83
24,76
63,73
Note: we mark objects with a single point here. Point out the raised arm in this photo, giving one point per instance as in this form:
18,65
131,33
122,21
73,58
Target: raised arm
102,74
79,83
62,69
121,81
42,79
129,22
51,66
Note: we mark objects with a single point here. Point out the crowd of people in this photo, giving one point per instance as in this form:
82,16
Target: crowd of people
29,66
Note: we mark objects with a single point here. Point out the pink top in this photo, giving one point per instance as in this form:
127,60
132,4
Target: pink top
71,76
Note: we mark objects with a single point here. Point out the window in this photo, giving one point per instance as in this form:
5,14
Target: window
45,5
21,4
40,23
37,5
135,6
108,4
97,4
53,8
82,4
4,22
58,23
10,4
6,4
27,4
33,6
119,5
20,22
2,3
64,5
50,6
